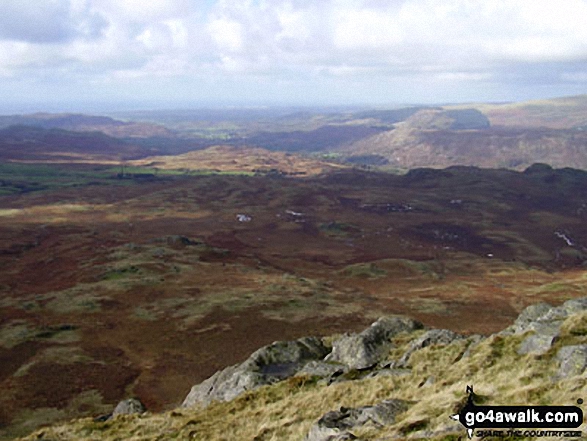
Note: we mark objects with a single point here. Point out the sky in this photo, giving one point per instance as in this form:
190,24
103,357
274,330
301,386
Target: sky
65,55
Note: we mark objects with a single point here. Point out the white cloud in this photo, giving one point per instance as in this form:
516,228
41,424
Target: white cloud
366,29
228,34
293,42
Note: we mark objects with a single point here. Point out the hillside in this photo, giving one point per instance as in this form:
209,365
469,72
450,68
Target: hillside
149,282
514,148
436,138
393,380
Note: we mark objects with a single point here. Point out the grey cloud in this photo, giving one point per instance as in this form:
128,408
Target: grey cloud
47,22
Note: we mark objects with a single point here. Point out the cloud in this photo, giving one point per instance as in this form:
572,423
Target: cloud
51,21
227,34
413,35
336,45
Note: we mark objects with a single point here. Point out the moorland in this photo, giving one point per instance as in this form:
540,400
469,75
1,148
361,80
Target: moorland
141,253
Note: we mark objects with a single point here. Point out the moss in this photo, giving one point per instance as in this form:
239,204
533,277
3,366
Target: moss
364,270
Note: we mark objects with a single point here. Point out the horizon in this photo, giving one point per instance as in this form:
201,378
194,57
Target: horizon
114,109
95,55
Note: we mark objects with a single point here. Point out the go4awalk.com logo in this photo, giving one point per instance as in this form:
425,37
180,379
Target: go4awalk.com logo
523,421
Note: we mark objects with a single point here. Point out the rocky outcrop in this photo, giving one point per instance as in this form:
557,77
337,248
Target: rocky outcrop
366,349
336,425
322,369
367,354
306,356
543,322
267,365
572,361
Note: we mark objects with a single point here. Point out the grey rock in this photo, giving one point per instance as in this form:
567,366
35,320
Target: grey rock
322,433
573,361
129,407
545,325
555,315
336,425
224,385
541,314
321,369
267,365
544,321
382,414
529,315
537,344
575,305
284,355
357,352
434,336
366,349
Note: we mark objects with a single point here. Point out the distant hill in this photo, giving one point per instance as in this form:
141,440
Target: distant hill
38,144
239,159
452,119
505,147
511,135
558,113
86,123
478,136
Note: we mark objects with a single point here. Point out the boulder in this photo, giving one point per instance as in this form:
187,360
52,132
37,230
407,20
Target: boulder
544,323
336,425
529,315
129,407
322,369
543,313
537,343
575,305
366,349
267,365
572,361
288,355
